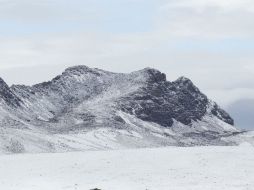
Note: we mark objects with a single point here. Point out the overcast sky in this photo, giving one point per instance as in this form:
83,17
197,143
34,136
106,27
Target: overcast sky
209,41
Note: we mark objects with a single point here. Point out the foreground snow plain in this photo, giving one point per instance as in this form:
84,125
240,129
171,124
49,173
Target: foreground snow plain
171,168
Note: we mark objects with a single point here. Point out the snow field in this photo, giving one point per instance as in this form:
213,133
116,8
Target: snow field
172,168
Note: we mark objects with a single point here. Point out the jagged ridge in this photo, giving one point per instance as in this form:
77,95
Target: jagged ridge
82,99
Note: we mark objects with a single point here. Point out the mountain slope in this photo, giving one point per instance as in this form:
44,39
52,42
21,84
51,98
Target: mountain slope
86,108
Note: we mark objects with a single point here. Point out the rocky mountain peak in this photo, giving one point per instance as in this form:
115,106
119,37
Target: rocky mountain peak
73,78
150,75
81,70
187,84
183,80
7,95
3,84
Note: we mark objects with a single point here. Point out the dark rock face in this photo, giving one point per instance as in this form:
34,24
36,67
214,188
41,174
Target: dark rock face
155,76
193,102
160,101
7,95
222,115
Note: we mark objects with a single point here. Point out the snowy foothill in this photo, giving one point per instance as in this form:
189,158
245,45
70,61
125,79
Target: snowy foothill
174,168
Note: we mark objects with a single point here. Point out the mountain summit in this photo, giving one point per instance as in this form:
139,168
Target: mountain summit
86,108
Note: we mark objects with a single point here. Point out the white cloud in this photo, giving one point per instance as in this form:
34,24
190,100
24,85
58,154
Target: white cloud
208,18
201,5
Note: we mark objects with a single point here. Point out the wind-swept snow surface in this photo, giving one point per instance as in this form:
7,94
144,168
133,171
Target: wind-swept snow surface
174,168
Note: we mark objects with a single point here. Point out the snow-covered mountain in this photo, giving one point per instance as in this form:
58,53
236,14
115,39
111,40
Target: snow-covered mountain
91,109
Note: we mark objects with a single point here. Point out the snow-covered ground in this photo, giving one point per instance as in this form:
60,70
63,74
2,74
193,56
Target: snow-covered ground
172,168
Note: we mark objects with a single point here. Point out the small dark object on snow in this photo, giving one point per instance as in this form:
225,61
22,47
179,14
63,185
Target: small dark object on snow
95,189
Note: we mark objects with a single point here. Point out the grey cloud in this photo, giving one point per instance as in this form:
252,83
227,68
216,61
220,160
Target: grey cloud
242,111
226,97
